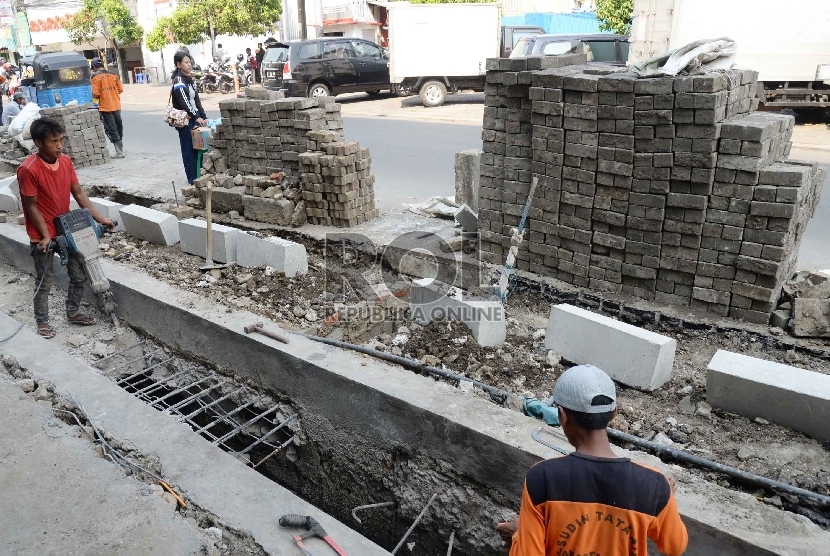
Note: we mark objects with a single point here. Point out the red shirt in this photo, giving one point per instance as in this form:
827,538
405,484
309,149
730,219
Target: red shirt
51,186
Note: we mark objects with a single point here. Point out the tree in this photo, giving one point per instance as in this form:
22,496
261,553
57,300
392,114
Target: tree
615,15
197,20
111,19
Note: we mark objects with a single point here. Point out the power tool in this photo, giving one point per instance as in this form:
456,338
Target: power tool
78,233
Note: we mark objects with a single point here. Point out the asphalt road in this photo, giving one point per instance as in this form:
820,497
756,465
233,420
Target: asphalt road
412,161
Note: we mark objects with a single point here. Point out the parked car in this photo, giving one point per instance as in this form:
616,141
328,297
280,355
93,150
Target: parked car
606,48
323,67
510,35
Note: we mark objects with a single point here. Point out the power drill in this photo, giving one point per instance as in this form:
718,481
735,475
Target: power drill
78,233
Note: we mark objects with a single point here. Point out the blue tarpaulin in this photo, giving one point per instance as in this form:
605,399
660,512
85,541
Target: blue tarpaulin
557,24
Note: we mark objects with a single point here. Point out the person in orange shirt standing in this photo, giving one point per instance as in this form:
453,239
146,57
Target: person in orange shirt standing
107,89
591,501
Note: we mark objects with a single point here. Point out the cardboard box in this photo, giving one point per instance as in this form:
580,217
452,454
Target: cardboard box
201,138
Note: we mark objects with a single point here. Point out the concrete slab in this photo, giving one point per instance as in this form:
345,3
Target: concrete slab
468,177
785,395
193,236
214,480
150,225
467,218
64,499
8,200
432,300
11,183
109,209
287,257
400,408
631,355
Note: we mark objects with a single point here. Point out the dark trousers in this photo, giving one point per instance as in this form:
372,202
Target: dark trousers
113,126
258,74
44,277
188,152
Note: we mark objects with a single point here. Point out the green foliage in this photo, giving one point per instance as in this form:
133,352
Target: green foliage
190,22
110,18
615,15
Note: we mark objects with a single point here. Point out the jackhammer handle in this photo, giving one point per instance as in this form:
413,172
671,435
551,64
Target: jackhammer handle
294,520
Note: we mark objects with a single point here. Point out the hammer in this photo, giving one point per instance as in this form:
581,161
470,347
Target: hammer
257,327
314,529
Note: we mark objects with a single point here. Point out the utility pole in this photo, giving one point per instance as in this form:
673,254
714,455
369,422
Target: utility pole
301,19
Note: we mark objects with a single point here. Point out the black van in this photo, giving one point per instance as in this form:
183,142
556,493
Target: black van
327,66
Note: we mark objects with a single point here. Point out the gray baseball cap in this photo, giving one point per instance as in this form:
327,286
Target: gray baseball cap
578,386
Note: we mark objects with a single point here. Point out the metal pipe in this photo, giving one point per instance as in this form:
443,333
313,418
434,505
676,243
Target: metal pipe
367,507
262,438
410,364
415,523
141,343
734,472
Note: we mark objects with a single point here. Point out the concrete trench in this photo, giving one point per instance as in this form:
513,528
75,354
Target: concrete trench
373,433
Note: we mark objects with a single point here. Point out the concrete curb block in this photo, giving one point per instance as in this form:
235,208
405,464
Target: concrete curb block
784,395
287,257
631,355
109,209
8,200
193,236
150,225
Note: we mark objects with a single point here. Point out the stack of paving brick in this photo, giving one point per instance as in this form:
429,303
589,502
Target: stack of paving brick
248,136
297,117
647,186
336,180
84,141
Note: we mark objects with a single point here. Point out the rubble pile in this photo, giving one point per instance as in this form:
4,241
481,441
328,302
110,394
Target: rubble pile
84,142
14,150
254,164
670,189
338,186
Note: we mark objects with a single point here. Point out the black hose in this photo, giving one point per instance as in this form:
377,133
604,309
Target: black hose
658,449
733,472
494,392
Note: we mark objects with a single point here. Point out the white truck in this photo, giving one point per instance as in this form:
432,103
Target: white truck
786,42
439,48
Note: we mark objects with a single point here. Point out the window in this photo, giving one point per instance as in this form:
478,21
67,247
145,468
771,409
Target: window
601,51
523,48
365,50
522,33
71,74
311,51
555,48
338,49
276,54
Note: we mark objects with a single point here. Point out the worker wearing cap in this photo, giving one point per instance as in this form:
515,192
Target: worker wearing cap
107,89
12,109
591,501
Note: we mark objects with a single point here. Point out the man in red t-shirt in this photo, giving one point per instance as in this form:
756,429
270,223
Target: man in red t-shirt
46,179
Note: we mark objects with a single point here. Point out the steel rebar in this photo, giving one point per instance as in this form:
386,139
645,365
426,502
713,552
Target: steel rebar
197,395
280,447
262,438
211,404
142,371
141,343
452,540
181,389
367,507
250,422
415,523
225,417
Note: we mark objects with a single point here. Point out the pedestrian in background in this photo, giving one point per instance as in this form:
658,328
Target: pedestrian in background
260,54
106,91
13,108
252,63
185,97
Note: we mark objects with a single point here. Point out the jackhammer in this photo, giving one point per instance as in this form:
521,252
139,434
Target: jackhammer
78,233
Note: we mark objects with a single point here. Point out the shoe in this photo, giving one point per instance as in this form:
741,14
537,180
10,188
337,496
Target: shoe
119,150
81,318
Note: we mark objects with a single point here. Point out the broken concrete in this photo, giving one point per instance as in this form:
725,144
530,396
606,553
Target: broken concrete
286,257
467,177
182,212
789,396
150,225
631,355
466,218
811,317
8,200
193,235
271,211
432,300
108,209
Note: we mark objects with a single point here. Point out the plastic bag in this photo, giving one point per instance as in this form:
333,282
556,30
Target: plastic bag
705,56
29,112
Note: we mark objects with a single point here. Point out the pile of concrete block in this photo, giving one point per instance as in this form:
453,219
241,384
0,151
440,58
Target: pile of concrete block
84,142
337,181
805,305
248,137
647,186
299,117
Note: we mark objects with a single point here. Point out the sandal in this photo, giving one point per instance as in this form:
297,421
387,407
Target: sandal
81,318
45,330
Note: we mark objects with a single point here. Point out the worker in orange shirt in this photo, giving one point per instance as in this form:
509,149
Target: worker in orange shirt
593,502
106,91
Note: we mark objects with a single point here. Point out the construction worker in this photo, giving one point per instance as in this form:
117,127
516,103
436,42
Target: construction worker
591,501
106,90
46,180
